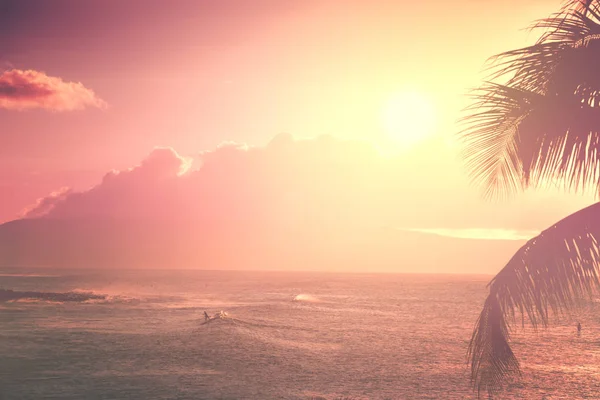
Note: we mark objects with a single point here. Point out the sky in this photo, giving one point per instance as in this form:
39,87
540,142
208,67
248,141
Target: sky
295,105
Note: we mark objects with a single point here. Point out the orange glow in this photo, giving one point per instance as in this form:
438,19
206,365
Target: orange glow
380,87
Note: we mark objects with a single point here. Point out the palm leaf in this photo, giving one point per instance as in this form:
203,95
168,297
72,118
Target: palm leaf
549,274
542,124
515,138
490,134
560,53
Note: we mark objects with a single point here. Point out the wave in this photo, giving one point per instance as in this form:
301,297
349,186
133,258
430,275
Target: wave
153,299
275,335
264,325
7,275
226,318
105,297
307,298
58,297
328,396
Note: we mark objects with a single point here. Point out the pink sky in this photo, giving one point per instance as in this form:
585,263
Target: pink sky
90,87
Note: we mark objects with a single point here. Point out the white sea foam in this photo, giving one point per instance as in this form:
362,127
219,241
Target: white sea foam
307,298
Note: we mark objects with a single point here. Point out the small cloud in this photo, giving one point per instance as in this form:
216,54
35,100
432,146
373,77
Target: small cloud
23,90
479,233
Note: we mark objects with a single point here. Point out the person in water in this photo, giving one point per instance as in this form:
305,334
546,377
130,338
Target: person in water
206,317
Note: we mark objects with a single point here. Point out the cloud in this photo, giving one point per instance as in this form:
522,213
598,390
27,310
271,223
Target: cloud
45,205
285,181
149,190
22,90
323,184
297,204
480,233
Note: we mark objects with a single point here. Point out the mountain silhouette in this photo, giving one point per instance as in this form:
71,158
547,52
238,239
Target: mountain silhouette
118,243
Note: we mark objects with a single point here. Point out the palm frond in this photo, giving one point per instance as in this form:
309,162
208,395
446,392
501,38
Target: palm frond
492,359
490,137
559,53
580,5
529,68
559,140
543,123
549,274
516,138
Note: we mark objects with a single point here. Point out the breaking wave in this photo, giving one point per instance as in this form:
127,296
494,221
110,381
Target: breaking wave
307,298
14,295
106,297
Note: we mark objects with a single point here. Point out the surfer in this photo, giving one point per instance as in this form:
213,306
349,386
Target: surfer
206,317
220,315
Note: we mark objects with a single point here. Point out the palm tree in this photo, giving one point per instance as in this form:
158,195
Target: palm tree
541,124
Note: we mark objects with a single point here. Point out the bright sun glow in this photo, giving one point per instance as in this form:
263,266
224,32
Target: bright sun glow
408,117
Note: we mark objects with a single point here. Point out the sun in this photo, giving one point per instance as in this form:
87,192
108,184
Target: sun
408,117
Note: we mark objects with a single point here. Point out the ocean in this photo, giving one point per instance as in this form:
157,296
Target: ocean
287,335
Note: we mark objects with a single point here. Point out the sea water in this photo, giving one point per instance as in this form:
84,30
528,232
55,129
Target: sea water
287,335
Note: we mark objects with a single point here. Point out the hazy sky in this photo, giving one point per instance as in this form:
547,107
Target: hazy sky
92,86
